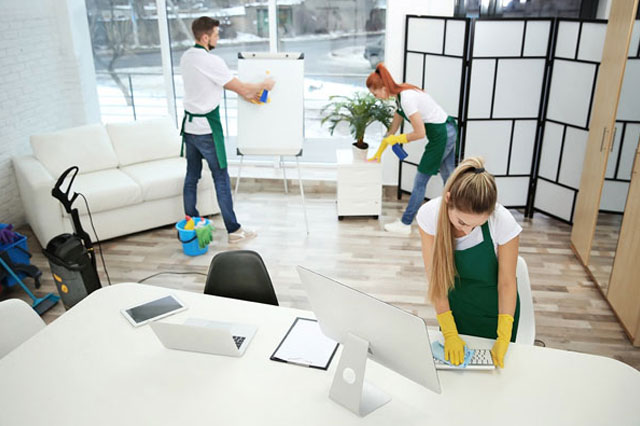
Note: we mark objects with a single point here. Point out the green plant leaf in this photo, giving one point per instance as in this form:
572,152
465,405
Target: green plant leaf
358,111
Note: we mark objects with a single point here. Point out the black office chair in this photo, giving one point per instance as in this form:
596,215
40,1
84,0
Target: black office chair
240,274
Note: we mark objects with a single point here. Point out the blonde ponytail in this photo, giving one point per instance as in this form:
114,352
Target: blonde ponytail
471,190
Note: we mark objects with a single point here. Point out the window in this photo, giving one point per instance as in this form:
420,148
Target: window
342,41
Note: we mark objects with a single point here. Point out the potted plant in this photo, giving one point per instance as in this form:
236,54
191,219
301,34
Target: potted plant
359,111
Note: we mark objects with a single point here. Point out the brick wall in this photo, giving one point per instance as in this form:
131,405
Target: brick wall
44,83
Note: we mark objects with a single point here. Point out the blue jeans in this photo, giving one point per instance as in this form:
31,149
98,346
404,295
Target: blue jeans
421,179
197,148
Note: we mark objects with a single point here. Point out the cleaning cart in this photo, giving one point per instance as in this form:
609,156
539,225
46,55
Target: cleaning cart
15,266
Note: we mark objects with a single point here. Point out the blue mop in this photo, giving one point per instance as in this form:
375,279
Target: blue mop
40,305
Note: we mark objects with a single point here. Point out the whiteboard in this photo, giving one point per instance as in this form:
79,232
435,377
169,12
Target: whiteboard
277,127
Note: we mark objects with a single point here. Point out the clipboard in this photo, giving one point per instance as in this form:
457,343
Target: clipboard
305,345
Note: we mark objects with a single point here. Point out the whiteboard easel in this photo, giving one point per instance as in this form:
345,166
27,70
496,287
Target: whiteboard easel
277,127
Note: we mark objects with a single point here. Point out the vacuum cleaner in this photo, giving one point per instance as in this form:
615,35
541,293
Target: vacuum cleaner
71,256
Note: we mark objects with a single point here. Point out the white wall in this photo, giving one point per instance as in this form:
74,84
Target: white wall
47,81
397,10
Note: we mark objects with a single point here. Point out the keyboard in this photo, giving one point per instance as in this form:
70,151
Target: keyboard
481,360
238,340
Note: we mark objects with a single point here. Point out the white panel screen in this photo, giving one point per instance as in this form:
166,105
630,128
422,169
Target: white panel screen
551,145
554,199
567,40
454,43
512,191
425,35
614,196
635,39
592,41
537,38
498,38
442,81
415,62
408,175
570,92
434,187
575,144
518,88
524,135
481,88
631,136
490,140
629,104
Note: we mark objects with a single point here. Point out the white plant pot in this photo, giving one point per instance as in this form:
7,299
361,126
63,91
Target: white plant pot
358,153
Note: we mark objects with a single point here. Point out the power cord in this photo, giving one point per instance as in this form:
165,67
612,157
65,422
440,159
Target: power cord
172,272
104,265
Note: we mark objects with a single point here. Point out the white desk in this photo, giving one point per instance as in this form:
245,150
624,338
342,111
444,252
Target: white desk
90,367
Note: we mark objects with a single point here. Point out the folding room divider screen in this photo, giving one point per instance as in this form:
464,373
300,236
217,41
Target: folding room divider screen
522,90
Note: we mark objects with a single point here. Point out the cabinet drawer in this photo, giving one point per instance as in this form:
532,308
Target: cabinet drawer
360,174
360,192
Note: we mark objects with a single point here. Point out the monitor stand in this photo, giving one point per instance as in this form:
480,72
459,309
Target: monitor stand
349,387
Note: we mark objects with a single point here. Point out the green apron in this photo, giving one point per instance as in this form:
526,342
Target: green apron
437,137
213,117
474,299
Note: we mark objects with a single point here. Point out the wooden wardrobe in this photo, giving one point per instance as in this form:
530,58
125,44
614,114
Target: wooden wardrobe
623,287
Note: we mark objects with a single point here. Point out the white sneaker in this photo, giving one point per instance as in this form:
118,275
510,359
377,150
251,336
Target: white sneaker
398,227
242,234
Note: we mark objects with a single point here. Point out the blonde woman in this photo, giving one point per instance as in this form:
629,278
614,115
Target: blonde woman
470,252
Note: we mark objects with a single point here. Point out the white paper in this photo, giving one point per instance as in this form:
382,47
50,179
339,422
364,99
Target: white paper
306,345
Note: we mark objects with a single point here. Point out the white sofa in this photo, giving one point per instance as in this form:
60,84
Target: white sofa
131,174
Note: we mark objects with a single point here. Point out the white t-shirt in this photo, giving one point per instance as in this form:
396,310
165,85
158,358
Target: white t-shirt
204,75
413,101
502,226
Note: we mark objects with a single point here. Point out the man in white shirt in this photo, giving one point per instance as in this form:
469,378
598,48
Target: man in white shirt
205,77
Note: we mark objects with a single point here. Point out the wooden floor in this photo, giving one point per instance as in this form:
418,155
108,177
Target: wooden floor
570,311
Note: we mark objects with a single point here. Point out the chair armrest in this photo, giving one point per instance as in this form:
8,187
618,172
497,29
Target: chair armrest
42,210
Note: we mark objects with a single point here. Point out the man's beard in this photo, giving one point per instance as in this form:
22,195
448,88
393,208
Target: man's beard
211,47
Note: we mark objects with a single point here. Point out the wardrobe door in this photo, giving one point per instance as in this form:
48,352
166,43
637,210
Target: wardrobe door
624,285
601,128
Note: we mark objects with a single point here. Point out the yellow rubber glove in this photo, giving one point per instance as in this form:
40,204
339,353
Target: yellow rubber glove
505,326
453,344
388,141
378,154
394,139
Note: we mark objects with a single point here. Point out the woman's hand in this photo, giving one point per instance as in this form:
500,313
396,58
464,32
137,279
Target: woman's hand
453,344
505,326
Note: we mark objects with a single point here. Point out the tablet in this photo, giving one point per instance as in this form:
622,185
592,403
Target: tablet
146,312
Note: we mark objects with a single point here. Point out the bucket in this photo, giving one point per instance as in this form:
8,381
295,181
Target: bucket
189,239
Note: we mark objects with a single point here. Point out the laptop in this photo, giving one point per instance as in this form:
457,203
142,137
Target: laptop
201,335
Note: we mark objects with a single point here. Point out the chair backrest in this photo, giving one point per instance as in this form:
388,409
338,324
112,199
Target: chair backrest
240,274
18,322
527,322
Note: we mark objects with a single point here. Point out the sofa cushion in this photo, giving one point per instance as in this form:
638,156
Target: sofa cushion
87,147
105,190
144,140
164,178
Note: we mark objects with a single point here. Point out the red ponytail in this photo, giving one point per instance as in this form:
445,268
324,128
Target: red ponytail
381,77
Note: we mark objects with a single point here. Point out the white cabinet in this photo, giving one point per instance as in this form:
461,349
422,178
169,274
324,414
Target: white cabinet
359,186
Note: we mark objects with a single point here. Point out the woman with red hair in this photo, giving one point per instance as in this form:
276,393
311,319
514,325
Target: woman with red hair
427,119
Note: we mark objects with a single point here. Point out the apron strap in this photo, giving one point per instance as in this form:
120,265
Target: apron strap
184,119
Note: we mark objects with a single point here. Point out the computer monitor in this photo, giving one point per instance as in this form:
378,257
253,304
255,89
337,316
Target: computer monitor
368,326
